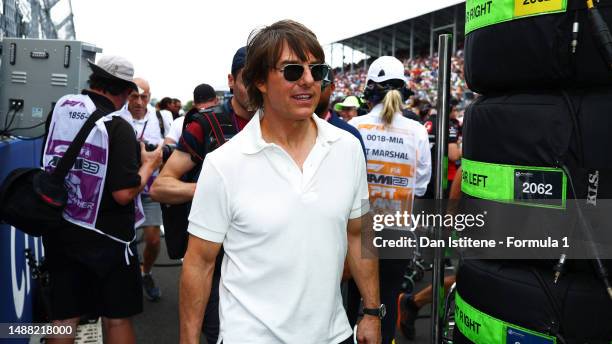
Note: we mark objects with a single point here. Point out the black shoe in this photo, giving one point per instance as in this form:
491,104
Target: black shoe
408,311
152,292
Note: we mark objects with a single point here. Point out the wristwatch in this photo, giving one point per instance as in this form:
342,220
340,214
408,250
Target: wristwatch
379,312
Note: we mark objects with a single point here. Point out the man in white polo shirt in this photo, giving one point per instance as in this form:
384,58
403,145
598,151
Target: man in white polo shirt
151,127
286,197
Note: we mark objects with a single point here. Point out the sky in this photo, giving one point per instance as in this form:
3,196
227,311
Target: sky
179,44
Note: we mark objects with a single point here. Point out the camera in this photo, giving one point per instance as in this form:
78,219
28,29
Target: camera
167,149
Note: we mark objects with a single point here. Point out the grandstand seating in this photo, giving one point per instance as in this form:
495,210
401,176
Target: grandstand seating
422,79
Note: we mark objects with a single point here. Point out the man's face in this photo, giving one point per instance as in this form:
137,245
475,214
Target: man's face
138,100
291,100
240,93
348,113
176,106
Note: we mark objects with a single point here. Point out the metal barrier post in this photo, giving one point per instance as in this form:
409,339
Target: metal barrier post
444,55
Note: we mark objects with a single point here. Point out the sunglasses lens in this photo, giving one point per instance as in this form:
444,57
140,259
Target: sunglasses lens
293,72
318,72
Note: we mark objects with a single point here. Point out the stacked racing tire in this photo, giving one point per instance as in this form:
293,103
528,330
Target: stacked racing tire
545,115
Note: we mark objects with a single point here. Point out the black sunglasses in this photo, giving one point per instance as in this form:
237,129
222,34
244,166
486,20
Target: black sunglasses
293,72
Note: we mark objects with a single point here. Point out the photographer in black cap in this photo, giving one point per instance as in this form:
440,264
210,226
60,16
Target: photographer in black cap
177,180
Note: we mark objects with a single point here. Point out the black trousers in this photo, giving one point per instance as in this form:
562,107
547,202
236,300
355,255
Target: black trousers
390,282
391,272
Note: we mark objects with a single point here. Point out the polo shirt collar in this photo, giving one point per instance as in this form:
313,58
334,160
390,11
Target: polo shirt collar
254,142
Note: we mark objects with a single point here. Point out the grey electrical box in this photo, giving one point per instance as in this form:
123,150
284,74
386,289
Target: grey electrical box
34,74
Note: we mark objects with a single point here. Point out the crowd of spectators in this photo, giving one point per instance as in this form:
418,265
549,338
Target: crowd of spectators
349,82
422,75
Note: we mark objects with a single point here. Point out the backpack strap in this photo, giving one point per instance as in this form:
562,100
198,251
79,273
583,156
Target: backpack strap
192,151
67,161
162,127
211,117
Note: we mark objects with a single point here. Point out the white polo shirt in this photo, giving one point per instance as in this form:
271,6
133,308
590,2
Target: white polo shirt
283,232
176,130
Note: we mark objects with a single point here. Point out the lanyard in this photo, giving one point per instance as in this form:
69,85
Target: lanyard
143,130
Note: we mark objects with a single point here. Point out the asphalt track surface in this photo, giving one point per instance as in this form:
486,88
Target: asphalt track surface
158,323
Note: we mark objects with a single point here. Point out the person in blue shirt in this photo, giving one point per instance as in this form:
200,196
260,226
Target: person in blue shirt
323,110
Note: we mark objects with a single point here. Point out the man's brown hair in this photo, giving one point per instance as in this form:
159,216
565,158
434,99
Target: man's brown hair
264,48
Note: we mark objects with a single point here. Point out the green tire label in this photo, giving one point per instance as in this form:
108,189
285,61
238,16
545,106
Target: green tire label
481,13
543,187
482,328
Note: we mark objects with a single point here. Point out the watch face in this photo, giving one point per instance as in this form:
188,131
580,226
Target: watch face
383,311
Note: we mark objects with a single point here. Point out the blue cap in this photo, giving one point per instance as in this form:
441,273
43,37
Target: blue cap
239,60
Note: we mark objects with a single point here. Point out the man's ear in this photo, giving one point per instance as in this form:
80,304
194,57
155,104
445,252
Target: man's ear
230,81
262,87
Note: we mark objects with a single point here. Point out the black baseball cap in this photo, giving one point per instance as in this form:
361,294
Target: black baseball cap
203,93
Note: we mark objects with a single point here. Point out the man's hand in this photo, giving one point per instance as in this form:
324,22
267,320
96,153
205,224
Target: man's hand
368,330
151,159
149,162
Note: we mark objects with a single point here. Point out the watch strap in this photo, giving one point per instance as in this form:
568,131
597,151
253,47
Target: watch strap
371,311
379,312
